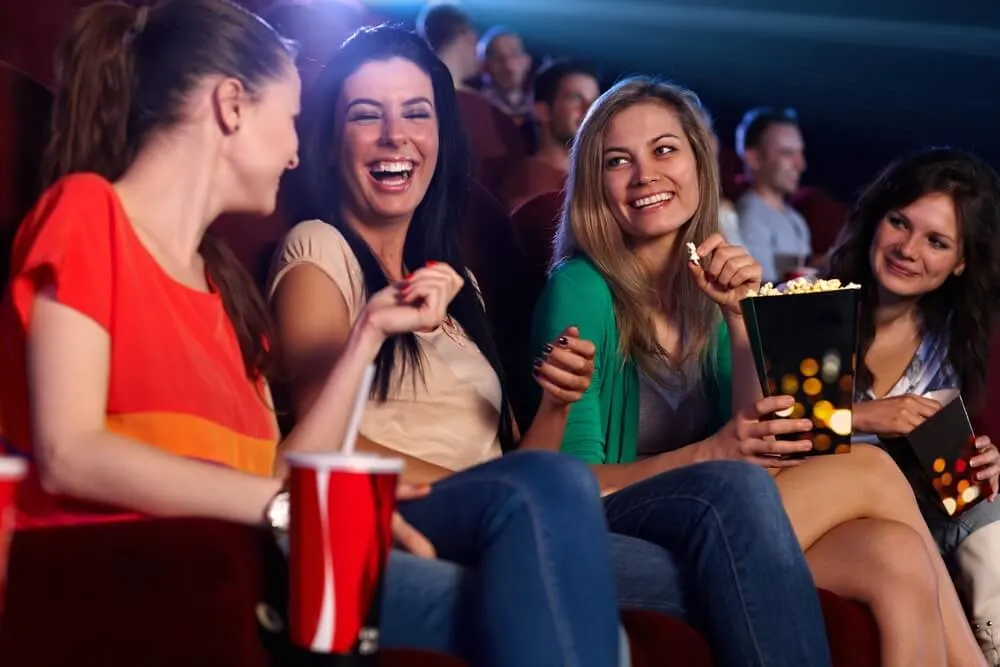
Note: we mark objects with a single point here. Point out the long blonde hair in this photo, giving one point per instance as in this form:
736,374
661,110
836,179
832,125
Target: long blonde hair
588,226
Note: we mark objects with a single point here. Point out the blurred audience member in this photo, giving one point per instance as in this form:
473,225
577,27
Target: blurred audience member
729,220
505,71
563,92
449,33
770,144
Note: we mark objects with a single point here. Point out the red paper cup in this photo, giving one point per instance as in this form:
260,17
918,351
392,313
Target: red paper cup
12,471
340,531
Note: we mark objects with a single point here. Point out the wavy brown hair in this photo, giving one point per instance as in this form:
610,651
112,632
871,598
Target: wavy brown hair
588,225
965,306
124,73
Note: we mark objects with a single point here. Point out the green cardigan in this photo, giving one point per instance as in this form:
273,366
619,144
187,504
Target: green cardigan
603,425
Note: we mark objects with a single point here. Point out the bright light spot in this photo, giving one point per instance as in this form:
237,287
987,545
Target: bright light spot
812,387
950,505
809,367
939,465
789,385
822,411
970,494
840,422
831,367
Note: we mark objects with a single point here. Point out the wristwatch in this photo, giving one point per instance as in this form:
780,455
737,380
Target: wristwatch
276,512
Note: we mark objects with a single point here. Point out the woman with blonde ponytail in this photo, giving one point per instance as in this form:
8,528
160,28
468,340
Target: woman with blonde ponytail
136,350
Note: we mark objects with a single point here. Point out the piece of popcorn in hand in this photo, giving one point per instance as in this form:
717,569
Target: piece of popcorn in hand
693,253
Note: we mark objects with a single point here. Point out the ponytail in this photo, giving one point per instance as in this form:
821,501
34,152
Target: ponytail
243,304
95,80
119,79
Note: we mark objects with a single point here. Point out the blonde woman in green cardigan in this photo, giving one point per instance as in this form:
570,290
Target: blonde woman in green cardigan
674,383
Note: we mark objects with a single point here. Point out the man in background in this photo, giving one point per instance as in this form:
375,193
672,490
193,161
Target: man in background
449,33
505,66
773,152
563,91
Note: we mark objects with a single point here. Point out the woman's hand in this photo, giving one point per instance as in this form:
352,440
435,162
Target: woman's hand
893,417
987,463
726,273
748,438
419,303
406,535
564,368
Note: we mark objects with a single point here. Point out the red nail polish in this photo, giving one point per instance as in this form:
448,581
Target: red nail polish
431,262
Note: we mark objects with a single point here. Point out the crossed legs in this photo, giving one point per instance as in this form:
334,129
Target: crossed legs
865,539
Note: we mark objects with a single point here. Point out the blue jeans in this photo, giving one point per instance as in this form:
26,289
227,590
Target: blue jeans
528,579
950,531
734,567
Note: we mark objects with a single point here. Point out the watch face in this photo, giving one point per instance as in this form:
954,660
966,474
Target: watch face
278,512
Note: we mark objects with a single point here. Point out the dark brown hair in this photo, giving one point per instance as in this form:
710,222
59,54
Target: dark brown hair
124,73
965,307
434,231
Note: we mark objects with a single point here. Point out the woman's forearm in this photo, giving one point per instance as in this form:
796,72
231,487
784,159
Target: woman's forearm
547,428
109,469
612,477
323,409
322,415
746,388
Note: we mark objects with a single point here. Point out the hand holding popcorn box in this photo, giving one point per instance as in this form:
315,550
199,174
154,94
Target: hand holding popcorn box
944,446
804,338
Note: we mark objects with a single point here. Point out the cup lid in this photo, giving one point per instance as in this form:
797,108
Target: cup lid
14,467
356,462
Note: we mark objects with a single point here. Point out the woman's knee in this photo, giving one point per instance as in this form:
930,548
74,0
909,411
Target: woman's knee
878,476
555,473
745,501
895,561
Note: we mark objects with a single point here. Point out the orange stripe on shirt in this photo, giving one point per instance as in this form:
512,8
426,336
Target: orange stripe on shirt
194,437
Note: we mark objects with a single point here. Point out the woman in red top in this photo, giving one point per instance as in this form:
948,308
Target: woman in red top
135,349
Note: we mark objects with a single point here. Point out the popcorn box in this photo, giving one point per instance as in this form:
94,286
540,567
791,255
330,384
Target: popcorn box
943,445
805,345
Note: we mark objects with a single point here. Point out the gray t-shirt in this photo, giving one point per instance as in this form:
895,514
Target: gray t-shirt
671,417
778,240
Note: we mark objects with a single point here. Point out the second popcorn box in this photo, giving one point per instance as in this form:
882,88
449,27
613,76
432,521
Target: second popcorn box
804,339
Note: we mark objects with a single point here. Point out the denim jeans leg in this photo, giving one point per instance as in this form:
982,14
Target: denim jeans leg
422,604
531,528
749,588
648,577
950,531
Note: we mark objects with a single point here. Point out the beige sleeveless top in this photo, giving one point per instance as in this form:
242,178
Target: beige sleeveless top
451,418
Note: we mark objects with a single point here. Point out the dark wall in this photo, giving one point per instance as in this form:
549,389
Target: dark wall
869,80
30,31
